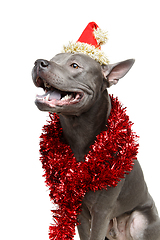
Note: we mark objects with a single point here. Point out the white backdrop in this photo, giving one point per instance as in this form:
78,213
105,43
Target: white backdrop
38,29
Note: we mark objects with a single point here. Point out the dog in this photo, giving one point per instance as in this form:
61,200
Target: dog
76,89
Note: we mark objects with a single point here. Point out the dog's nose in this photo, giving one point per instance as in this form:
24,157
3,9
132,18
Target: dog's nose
42,63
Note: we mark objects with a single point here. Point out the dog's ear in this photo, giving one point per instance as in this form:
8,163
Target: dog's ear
113,72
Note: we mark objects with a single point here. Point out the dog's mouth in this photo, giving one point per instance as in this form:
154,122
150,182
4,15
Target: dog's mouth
56,97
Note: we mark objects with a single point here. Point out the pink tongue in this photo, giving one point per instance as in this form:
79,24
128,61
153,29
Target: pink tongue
54,95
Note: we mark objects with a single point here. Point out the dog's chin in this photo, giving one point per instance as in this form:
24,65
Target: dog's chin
72,104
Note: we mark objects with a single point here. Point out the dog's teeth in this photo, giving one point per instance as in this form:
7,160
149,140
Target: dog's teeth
66,97
46,84
47,97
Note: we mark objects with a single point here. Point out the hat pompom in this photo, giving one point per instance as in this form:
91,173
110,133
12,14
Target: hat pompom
101,36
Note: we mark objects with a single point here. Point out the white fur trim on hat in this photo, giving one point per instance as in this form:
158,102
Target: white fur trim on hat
92,51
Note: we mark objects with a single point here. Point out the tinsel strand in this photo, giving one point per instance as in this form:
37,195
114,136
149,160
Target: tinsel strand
110,157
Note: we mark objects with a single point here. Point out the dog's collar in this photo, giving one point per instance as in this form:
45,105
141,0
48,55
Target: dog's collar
110,158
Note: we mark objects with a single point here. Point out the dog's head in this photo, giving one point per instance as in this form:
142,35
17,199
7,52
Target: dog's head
73,82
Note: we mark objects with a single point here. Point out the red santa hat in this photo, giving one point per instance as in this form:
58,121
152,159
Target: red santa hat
90,43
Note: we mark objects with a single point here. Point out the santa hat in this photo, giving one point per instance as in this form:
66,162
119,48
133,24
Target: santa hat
90,43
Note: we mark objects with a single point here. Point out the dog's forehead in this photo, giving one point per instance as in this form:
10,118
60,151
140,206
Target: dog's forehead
61,57
80,58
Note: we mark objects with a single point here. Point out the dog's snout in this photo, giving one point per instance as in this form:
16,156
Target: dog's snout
41,63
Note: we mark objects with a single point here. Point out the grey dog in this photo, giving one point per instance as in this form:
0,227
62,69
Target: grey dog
76,89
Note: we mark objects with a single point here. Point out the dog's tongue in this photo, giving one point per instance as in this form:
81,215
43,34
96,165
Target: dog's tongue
54,95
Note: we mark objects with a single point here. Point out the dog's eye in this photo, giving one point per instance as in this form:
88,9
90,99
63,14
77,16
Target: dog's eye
74,65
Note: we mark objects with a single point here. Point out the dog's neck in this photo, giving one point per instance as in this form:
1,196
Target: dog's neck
81,131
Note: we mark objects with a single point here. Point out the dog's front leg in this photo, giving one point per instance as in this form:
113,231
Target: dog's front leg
95,228
84,226
99,225
102,204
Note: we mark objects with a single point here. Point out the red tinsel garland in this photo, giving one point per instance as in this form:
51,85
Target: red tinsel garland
109,159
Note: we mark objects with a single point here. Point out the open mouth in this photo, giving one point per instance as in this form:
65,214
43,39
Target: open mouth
55,97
